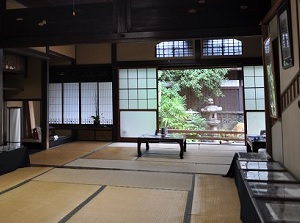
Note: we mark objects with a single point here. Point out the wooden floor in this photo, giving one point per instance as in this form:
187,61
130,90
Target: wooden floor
107,182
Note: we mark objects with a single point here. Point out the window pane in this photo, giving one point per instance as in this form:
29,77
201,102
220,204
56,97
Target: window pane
133,104
123,94
255,122
123,83
259,81
132,73
123,73
142,87
152,94
250,93
260,104
249,82
142,83
132,83
143,104
151,83
259,71
88,102
105,102
133,94
130,123
151,73
152,104
260,94
71,103
174,49
142,73
55,103
221,47
248,71
142,94
250,104
123,104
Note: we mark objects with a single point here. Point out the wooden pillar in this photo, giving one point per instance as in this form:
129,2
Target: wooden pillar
1,99
45,104
115,88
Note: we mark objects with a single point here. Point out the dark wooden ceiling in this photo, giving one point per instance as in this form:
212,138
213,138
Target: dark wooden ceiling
52,22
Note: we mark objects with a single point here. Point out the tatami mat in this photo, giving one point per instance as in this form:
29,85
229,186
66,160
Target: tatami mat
133,165
134,205
65,153
19,176
83,145
107,182
219,169
174,181
155,166
215,200
188,158
114,153
46,202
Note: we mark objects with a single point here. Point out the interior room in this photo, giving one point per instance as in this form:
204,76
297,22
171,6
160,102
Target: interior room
149,111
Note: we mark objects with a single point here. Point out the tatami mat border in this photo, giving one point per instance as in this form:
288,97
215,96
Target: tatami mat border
189,203
14,187
21,184
75,210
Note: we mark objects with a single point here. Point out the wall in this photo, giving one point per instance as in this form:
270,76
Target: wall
287,127
144,51
68,51
291,116
29,83
93,54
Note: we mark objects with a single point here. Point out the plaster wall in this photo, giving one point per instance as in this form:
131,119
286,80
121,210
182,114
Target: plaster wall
29,85
68,51
93,54
291,139
290,118
136,51
277,150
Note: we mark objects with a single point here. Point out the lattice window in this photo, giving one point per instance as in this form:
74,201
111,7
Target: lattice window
138,88
174,49
254,88
69,101
222,47
55,103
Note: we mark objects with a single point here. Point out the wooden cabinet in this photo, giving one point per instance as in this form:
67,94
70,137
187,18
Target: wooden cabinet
14,69
94,134
14,64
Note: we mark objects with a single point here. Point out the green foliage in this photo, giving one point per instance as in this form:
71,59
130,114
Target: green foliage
198,80
172,111
172,105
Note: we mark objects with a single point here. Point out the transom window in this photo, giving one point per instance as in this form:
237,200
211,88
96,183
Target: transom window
174,49
222,47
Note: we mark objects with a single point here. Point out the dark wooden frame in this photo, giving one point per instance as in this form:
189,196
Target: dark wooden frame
270,75
180,139
285,34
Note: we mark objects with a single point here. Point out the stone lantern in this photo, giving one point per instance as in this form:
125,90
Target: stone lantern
210,112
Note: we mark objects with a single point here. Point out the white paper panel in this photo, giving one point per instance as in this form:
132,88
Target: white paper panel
135,123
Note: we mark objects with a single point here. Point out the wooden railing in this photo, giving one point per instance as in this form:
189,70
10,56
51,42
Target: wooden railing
203,135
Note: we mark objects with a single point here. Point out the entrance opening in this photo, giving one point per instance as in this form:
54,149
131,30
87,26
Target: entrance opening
205,104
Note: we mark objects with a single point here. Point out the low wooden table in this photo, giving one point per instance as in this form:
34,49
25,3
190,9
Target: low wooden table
169,138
